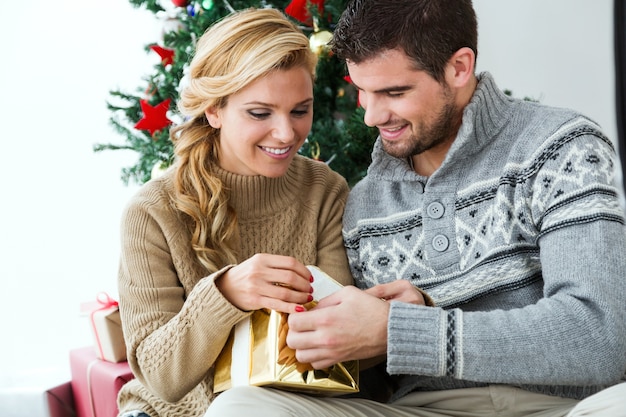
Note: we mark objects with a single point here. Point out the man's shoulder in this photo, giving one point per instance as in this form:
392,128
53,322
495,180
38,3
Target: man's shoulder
537,117
363,186
367,195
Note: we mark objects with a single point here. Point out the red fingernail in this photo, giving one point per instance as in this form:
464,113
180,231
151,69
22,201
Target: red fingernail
309,298
311,290
311,278
299,309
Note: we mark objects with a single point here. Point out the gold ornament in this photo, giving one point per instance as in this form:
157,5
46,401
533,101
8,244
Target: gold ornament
315,151
318,42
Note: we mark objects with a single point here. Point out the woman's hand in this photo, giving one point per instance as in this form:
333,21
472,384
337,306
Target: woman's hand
275,282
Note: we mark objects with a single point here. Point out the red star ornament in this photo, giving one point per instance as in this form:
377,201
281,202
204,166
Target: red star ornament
298,10
154,117
167,55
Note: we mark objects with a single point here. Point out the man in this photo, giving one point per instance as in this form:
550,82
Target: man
504,214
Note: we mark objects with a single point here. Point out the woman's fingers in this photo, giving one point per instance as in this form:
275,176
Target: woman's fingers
267,281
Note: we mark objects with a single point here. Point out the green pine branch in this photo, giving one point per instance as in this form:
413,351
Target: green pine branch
338,135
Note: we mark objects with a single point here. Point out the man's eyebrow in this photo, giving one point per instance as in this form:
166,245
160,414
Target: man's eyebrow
391,89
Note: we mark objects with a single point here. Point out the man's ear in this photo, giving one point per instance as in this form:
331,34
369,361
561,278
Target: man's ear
213,116
460,68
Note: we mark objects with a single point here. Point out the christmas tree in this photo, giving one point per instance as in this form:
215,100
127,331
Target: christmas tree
338,136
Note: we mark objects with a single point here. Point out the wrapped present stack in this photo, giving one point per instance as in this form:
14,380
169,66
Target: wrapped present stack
99,371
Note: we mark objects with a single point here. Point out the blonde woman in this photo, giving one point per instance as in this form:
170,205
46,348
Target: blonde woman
239,212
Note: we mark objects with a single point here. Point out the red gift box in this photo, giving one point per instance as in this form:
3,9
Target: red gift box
95,383
60,401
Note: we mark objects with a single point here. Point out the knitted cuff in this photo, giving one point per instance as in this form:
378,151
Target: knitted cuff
416,337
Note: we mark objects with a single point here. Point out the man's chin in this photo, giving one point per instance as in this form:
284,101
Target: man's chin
395,149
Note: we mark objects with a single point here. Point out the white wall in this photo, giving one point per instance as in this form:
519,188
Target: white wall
61,202
557,51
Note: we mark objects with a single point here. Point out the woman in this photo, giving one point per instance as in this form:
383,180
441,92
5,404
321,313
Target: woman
230,228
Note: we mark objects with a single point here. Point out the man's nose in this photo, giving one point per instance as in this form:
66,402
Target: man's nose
375,113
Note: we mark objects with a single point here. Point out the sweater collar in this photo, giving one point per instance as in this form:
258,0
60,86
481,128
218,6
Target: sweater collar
484,116
257,196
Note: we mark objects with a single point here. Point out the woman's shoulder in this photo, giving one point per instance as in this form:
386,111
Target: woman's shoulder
313,171
156,194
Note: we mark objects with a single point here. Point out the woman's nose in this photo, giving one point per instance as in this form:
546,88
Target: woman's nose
283,130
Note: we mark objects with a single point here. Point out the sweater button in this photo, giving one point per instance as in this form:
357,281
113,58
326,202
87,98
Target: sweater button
435,210
440,243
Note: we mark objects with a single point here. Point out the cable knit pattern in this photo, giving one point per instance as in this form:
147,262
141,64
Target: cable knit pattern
175,321
518,237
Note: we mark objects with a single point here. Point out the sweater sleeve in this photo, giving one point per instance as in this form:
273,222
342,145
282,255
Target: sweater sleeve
173,337
331,254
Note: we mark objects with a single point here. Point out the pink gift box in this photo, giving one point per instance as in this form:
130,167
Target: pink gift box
60,401
95,383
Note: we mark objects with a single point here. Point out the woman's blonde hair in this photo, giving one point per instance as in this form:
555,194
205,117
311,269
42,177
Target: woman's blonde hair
231,54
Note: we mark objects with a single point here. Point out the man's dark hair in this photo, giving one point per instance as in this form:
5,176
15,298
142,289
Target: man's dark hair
428,31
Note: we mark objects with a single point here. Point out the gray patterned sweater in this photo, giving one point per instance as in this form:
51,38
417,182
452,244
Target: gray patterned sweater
518,237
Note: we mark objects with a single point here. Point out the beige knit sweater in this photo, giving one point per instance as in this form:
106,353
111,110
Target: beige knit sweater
175,320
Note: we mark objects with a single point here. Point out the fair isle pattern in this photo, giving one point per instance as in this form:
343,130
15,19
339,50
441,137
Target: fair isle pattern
497,227
451,344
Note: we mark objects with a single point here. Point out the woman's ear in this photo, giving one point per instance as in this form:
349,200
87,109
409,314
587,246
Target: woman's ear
460,69
213,116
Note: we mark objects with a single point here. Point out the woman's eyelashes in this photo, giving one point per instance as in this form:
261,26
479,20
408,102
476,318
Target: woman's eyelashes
264,114
303,111
260,115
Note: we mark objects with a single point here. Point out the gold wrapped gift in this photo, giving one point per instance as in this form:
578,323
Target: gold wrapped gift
256,353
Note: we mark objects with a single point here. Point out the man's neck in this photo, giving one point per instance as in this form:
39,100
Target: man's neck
427,162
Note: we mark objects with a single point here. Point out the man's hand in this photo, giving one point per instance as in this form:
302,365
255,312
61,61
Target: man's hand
350,324
399,290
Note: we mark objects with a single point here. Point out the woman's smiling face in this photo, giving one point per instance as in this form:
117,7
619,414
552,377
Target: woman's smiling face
263,126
